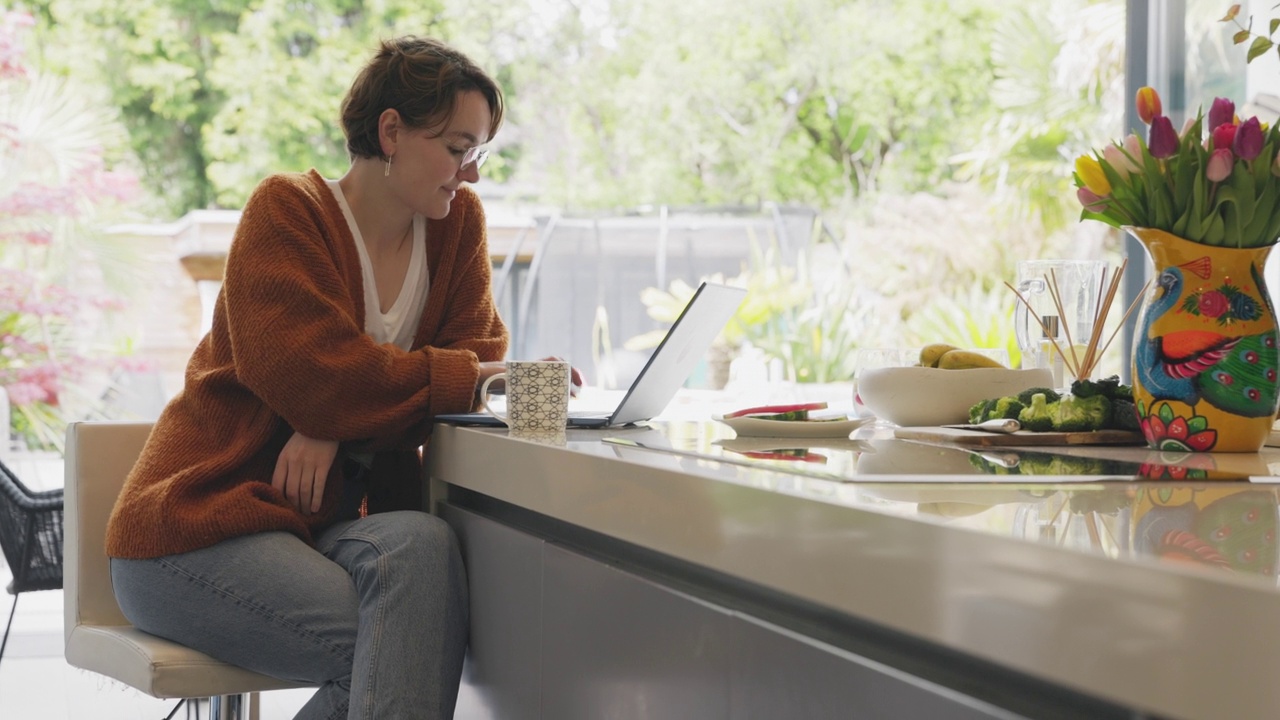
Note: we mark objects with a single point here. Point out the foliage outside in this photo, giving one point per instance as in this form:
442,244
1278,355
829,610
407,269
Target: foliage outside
938,157
54,190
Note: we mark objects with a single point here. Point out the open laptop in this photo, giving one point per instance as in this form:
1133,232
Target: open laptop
668,367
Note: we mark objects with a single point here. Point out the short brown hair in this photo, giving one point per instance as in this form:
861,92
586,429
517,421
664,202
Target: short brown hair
421,79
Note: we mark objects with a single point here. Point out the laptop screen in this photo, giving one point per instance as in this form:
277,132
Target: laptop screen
684,345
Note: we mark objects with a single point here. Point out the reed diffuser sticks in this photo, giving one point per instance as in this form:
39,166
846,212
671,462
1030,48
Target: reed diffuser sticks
1082,364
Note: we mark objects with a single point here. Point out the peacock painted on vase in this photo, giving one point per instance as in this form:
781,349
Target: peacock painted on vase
1234,373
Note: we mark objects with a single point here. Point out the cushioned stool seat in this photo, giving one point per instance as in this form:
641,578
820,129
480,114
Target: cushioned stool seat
98,637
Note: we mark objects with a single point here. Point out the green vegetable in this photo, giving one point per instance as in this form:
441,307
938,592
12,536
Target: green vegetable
1036,416
996,409
978,412
1006,407
1124,414
1081,414
1050,395
1091,405
1109,387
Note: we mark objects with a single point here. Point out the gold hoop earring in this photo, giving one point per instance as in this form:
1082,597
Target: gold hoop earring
387,171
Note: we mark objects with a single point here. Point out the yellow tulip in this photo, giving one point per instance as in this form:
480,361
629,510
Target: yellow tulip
1091,174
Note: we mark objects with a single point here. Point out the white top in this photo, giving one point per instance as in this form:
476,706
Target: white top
399,324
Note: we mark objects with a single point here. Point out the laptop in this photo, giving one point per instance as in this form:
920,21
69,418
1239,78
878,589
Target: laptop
710,308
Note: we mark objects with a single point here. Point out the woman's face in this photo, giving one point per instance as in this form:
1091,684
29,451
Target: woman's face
427,168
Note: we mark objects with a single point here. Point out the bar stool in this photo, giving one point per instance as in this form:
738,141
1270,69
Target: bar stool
98,637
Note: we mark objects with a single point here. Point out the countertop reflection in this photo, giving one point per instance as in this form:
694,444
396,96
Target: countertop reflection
1212,510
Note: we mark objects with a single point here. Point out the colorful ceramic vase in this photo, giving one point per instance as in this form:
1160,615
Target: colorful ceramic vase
1204,352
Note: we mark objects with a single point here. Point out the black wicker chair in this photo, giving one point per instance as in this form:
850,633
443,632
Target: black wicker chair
31,538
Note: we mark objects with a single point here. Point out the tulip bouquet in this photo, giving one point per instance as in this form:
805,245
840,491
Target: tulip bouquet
1220,188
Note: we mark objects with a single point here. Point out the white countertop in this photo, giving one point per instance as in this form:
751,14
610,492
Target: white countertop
1046,578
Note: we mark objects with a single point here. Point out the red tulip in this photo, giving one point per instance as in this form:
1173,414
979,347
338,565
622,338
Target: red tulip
1222,112
1219,167
1148,102
1162,141
1091,200
1224,136
1248,141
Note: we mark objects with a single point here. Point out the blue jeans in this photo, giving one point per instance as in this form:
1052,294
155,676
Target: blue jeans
375,614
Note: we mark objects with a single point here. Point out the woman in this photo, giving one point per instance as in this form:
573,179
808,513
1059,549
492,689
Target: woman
352,312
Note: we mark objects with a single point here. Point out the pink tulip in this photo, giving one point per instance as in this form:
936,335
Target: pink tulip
1118,161
1133,147
1275,166
1148,102
1224,136
1223,112
1162,140
1186,128
1219,167
1248,142
1091,200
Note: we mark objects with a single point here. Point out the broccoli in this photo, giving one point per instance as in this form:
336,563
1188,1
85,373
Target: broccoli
994,409
1050,395
1109,387
1005,407
1124,414
1037,463
1081,414
1088,388
1037,416
978,412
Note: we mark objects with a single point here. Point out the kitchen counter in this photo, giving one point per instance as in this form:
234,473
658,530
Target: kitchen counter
1035,582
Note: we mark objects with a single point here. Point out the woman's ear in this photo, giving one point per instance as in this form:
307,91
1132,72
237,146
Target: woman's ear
389,129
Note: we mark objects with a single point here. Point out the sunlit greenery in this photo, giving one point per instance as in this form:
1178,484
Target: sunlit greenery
934,138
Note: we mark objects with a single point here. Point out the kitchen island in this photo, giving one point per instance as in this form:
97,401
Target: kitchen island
674,571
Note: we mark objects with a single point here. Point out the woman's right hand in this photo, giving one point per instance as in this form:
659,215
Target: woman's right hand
302,470
488,370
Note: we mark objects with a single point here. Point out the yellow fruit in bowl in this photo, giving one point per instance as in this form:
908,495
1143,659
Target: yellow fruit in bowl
931,354
966,359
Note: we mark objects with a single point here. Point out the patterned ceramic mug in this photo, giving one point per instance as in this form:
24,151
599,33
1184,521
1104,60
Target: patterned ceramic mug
537,395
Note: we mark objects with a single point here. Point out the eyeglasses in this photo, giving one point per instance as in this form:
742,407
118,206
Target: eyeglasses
474,155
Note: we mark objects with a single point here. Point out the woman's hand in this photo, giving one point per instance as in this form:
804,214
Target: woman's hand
488,369
301,471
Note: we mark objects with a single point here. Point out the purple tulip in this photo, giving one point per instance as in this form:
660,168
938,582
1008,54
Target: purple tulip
1219,167
1248,141
1223,112
1162,141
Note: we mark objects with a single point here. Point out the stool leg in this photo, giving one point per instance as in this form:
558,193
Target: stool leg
12,610
229,707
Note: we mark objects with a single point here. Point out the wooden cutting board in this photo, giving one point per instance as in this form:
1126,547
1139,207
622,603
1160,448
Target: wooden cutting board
977,438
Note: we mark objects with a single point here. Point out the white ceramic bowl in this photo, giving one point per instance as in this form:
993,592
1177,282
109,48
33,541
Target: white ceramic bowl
924,396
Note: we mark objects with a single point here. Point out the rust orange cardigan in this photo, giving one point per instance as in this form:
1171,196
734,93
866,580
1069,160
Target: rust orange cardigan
287,351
